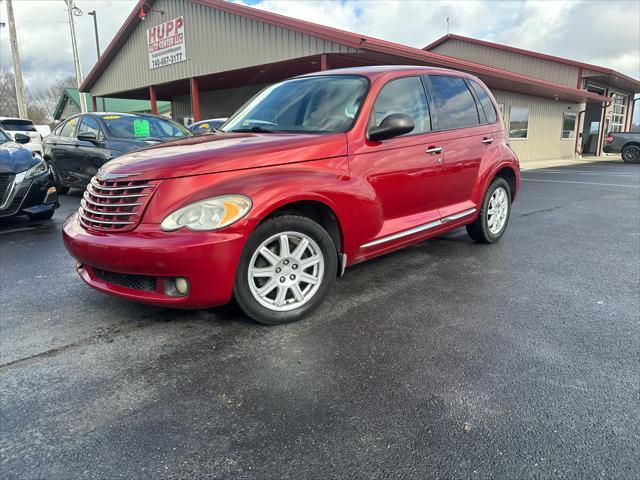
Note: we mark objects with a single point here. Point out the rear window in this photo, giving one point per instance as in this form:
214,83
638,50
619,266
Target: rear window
485,102
142,128
455,106
18,125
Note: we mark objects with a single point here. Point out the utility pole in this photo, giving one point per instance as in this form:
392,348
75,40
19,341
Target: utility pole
71,8
17,70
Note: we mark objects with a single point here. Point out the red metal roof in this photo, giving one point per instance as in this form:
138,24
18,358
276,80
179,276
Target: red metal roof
530,53
364,43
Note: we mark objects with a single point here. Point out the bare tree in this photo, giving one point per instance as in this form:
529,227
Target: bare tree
8,98
40,106
46,100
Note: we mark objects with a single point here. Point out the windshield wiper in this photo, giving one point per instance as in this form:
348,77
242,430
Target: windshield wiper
255,128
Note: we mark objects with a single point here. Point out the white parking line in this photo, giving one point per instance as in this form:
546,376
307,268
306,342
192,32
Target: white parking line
586,172
580,183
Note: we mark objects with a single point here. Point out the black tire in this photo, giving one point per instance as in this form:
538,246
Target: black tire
266,230
479,229
56,178
631,154
42,216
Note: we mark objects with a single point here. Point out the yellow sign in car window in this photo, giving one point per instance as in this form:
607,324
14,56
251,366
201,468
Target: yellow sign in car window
111,117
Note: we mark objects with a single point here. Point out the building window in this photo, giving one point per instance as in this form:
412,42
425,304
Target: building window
618,113
519,122
568,125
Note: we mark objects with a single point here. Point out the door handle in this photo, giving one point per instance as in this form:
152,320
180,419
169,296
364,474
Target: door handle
487,140
435,150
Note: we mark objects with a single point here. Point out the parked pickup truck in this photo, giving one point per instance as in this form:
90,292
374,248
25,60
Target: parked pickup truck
625,143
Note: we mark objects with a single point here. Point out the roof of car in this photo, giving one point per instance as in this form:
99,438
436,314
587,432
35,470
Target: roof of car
375,70
16,118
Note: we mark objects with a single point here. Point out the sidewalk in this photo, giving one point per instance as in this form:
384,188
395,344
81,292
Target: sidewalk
533,165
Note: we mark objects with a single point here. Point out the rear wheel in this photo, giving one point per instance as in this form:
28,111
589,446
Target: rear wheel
631,154
494,213
286,270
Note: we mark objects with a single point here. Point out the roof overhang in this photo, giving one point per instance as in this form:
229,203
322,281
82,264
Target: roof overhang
607,75
381,51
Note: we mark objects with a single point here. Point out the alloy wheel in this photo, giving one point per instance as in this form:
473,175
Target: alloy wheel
498,210
286,271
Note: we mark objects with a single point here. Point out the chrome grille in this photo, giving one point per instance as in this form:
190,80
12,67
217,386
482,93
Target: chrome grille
115,205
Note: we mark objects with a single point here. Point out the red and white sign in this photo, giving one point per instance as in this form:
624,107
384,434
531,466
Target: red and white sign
165,43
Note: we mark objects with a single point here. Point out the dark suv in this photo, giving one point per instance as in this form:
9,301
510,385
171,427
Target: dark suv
78,147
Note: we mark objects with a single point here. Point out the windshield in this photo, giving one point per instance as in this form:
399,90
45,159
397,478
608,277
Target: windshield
4,138
322,104
143,128
15,125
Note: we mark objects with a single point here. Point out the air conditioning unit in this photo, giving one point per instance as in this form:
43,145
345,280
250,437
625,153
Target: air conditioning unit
188,121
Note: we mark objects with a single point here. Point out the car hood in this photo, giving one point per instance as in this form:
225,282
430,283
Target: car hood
215,153
14,158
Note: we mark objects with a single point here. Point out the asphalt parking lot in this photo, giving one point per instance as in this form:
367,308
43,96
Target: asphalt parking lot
446,360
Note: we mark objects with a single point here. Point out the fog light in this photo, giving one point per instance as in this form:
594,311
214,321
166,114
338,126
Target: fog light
176,286
182,285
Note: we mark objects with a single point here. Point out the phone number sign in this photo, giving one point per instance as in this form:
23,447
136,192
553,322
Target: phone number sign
165,43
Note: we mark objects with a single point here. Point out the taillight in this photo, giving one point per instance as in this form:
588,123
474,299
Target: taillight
609,138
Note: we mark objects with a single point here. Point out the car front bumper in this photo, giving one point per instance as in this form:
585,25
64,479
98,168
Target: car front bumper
31,197
141,265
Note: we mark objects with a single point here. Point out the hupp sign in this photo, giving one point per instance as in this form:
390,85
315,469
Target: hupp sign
165,43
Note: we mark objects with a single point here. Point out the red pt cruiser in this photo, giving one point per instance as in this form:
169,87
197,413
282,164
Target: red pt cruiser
312,175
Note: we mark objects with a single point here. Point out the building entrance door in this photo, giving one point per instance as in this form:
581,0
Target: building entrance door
592,127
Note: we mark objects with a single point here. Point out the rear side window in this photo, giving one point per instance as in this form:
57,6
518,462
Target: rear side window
456,107
403,95
485,102
69,129
17,125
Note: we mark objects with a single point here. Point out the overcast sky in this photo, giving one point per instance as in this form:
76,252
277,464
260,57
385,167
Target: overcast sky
605,33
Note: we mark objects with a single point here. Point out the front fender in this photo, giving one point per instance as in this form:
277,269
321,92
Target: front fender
328,182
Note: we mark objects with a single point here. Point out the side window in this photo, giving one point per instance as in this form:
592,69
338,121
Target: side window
455,106
90,125
69,129
485,102
403,95
519,122
568,125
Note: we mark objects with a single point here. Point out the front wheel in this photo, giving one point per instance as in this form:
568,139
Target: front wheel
631,154
494,213
286,270
56,178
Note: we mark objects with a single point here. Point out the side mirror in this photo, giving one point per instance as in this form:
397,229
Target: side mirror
391,126
88,137
21,138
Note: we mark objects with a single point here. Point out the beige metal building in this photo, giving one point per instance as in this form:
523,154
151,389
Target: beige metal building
207,57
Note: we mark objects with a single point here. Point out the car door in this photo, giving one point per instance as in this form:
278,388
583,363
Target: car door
62,149
403,175
462,124
90,155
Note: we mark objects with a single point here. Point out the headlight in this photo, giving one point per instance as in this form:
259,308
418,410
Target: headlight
34,171
209,214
